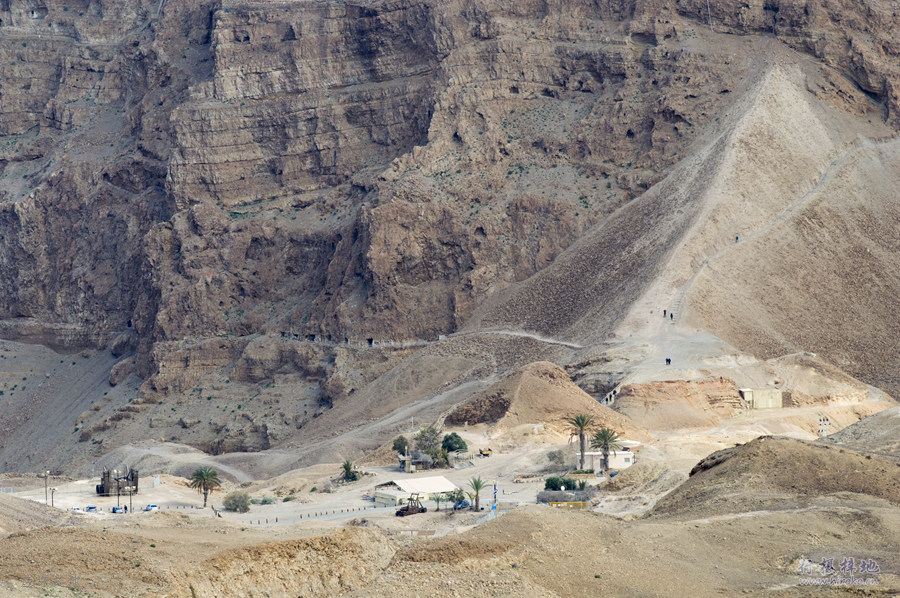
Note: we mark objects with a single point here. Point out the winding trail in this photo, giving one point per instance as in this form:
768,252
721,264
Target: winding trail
677,306
537,337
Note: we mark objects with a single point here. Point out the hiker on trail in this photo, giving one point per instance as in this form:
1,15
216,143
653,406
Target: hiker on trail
668,361
664,313
735,238
672,317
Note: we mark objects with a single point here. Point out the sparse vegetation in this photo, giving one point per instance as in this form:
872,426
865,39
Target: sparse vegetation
238,502
401,444
349,474
606,440
477,485
581,424
205,480
428,439
560,483
454,443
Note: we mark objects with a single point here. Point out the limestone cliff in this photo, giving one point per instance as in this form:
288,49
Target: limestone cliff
295,193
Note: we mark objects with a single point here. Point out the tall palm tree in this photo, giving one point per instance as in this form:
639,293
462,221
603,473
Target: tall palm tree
205,480
350,474
606,440
477,486
580,425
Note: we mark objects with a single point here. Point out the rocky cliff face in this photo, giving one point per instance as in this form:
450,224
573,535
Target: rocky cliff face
249,185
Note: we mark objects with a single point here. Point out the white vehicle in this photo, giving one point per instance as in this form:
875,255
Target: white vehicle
75,509
151,508
90,509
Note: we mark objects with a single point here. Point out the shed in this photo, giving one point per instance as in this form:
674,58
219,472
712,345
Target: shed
617,459
396,492
761,398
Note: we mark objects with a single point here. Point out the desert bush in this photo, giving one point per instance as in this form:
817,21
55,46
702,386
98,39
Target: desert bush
557,457
428,438
400,444
349,474
456,495
560,483
545,496
239,502
453,442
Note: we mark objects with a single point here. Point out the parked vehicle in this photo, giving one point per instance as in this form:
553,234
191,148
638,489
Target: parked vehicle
462,504
485,452
151,508
118,510
73,509
90,509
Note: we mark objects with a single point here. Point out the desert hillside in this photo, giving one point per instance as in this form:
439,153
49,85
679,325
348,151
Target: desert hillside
292,226
271,237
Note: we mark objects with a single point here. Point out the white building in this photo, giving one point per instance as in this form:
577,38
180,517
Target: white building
621,459
761,398
397,492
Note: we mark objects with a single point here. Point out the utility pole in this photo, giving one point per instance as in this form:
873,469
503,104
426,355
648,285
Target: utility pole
52,493
46,477
116,477
130,491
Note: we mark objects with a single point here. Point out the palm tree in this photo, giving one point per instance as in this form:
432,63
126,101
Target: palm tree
606,440
205,480
477,486
580,425
349,474
438,498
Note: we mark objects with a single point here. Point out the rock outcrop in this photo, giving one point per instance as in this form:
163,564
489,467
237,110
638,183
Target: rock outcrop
260,192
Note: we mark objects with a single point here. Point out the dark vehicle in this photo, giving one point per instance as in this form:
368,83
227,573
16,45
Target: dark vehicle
412,506
463,504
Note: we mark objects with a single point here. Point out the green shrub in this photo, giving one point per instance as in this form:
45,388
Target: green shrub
400,444
453,443
560,483
239,502
349,474
581,471
428,439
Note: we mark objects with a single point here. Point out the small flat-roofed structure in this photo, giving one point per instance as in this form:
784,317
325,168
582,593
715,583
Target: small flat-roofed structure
396,492
620,459
761,398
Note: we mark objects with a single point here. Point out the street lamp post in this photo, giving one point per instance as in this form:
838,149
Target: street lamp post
52,494
46,478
